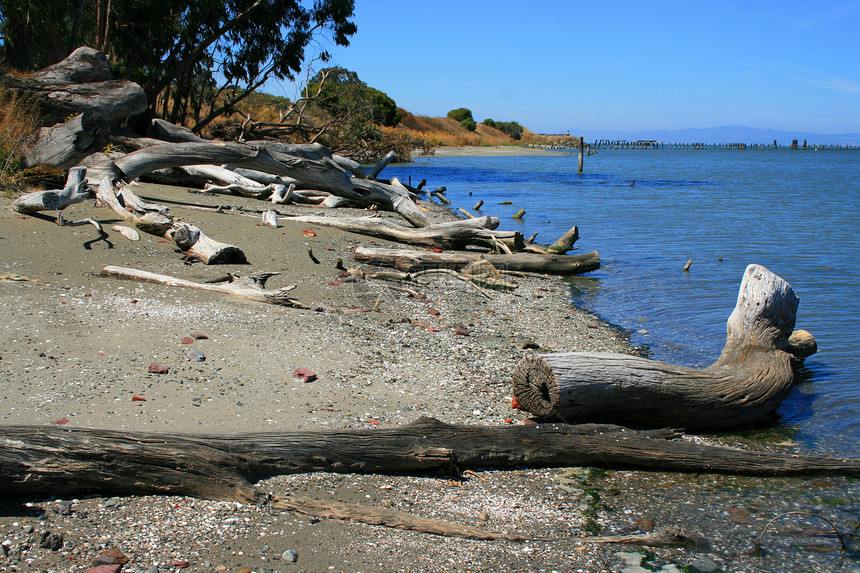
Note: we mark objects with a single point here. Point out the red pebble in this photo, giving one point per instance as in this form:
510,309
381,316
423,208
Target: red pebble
136,398
508,421
61,422
186,340
158,369
514,404
433,311
437,250
304,375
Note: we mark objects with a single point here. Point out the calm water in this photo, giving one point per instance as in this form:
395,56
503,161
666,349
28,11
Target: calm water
648,212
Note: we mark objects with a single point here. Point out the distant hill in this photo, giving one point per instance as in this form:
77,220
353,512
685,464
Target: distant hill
726,134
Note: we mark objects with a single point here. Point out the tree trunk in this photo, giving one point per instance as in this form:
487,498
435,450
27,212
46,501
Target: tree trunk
412,261
451,235
743,387
65,144
38,461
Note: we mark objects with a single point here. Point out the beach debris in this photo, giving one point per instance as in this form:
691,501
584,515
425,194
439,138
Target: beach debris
155,368
136,398
478,205
126,232
270,219
519,214
304,375
688,265
187,340
250,287
195,355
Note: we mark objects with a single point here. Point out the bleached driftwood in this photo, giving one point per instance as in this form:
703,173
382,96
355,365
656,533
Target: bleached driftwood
450,235
410,261
75,191
250,287
754,372
65,144
155,220
79,83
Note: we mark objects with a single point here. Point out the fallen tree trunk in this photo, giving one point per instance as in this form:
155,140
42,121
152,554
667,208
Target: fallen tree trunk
743,387
38,461
450,235
65,144
412,261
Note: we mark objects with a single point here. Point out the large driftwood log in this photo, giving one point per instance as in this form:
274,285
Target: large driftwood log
412,261
79,83
38,461
743,387
450,235
65,144
75,191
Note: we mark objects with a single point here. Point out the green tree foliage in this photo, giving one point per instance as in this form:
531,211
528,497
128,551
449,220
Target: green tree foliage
340,91
184,54
463,116
460,114
510,128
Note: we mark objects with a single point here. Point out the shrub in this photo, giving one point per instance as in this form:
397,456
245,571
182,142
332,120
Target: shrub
18,124
469,124
460,114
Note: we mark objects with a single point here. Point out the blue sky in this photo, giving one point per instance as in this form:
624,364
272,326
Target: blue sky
558,65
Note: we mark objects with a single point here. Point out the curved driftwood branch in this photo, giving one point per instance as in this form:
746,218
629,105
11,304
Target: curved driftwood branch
75,191
250,287
744,386
155,220
411,261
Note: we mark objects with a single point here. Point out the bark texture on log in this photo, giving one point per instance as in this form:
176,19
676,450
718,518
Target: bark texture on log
38,461
412,261
743,387
65,144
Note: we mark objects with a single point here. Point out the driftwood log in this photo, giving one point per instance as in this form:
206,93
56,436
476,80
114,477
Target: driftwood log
75,191
38,461
155,220
79,83
743,387
65,144
450,235
412,261
250,287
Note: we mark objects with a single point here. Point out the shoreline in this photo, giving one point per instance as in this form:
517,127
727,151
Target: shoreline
75,348
496,151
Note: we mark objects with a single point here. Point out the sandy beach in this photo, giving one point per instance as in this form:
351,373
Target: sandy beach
76,349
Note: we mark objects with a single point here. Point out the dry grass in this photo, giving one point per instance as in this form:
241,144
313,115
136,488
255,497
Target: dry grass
445,132
18,125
